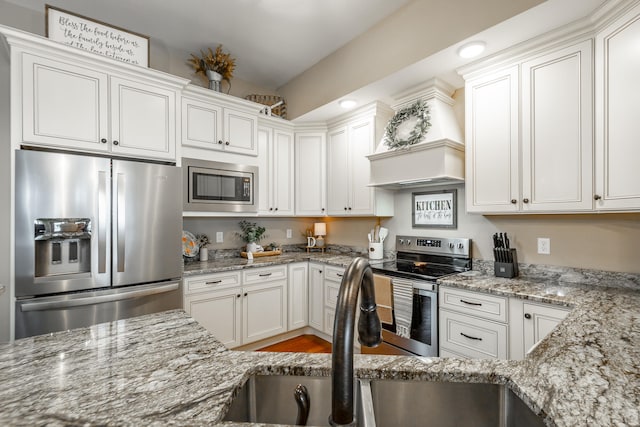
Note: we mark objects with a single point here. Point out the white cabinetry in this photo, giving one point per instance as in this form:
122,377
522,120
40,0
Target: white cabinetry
298,295
348,191
276,165
332,281
555,151
310,173
214,122
239,307
70,104
617,130
316,296
473,324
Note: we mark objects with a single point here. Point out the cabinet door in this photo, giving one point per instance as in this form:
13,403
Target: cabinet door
265,162
201,124
617,130
142,119
264,309
339,184
240,132
310,174
557,137
282,172
64,105
219,312
539,321
298,295
316,297
361,142
491,158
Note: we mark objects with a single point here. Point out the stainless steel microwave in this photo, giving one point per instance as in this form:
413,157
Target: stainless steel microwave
219,187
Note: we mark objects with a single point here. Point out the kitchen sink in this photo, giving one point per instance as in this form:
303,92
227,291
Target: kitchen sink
270,399
443,404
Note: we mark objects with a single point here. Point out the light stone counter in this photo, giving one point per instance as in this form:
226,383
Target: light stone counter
165,369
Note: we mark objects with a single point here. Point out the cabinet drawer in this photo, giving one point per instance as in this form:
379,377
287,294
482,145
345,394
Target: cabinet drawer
331,290
486,306
261,275
210,282
472,337
333,273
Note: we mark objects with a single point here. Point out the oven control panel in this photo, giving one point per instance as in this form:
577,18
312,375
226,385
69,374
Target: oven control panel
434,245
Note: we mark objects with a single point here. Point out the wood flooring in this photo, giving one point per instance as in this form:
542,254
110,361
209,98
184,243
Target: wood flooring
301,344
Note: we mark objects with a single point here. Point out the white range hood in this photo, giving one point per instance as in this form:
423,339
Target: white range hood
437,159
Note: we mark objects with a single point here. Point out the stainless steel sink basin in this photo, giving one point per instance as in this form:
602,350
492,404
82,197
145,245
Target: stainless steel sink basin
270,399
443,404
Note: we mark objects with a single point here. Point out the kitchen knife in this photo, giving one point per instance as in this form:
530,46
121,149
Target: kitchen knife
506,241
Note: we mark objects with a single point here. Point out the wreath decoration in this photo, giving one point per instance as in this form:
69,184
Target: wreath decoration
420,111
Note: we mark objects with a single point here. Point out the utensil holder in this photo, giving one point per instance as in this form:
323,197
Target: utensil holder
507,269
375,250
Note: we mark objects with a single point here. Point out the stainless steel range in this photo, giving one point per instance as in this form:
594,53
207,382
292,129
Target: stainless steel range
413,326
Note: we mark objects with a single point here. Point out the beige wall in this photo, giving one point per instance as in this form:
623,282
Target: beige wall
608,242
416,31
163,57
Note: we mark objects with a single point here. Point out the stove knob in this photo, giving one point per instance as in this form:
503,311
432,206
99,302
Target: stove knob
460,245
451,245
408,241
401,241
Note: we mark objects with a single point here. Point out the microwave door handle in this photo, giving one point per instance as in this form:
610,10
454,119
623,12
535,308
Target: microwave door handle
120,219
102,222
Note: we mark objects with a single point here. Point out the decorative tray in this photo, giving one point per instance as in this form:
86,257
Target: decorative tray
264,253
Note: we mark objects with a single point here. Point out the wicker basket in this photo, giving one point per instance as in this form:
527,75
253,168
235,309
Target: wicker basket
269,100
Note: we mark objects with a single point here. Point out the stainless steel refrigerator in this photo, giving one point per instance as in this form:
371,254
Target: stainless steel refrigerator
97,240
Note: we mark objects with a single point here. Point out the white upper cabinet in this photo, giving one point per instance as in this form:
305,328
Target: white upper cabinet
276,165
310,173
617,130
77,107
349,170
529,134
213,121
557,135
492,145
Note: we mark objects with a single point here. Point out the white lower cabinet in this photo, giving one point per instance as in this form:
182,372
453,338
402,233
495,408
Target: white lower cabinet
298,295
331,285
316,296
486,326
239,307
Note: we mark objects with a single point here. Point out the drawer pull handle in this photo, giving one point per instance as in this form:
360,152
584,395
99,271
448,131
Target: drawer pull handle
471,303
215,282
470,337
339,275
264,274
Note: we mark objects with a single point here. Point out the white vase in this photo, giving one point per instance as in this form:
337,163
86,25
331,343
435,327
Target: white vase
252,247
204,254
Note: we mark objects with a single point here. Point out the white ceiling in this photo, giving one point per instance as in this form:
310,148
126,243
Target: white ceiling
272,40
275,40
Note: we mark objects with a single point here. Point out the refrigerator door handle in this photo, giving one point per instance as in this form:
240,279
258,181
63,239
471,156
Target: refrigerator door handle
78,300
120,218
102,222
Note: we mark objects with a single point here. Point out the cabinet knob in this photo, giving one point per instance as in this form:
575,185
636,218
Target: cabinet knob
115,143
103,140
349,207
270,209
597,197
320,271
245,294
226,143
322,209
238,296
527,316
514,201
276,208
345,208
220,141
525,200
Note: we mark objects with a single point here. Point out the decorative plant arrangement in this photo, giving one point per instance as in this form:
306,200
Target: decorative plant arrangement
416,118
202,240
211,62
251,232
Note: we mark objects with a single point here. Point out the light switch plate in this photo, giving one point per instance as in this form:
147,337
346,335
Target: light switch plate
289,234
219,237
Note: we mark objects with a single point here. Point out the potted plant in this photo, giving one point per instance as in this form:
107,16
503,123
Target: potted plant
214,65
251,233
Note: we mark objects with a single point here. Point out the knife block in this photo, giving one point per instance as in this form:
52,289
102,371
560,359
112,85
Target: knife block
507,269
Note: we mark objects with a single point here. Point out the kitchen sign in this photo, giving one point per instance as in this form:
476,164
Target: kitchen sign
435,209
97,37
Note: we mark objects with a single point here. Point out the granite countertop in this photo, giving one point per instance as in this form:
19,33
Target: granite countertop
166,369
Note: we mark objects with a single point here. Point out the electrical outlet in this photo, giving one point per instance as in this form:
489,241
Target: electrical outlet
289,233
219,237
544,245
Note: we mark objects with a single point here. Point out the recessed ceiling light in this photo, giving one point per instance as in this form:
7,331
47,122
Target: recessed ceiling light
347,103
471,50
